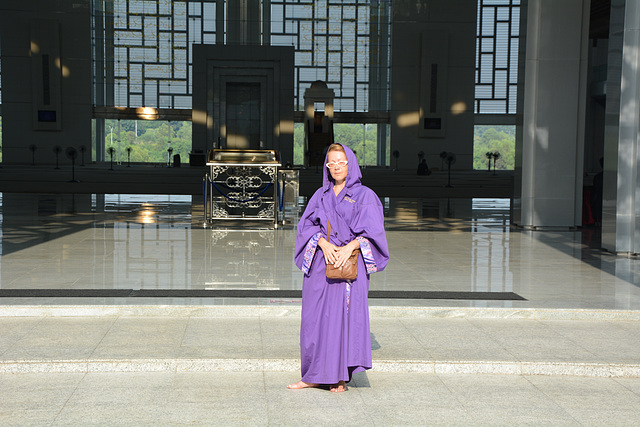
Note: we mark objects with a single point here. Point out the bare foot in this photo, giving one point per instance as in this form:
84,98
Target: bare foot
301,384
339,387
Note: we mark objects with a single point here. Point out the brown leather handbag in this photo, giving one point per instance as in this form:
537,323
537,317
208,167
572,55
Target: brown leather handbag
349,271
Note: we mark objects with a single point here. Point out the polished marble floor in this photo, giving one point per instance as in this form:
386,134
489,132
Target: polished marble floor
117,241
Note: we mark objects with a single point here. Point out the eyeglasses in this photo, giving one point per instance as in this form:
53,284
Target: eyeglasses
340,164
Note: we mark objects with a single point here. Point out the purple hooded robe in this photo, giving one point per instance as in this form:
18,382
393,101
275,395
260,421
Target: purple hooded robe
335,339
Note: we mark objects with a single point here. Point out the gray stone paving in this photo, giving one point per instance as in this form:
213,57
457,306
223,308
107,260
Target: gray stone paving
261,399
151,369
406,342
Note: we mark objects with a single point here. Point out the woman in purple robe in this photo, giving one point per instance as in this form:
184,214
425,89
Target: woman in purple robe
335,339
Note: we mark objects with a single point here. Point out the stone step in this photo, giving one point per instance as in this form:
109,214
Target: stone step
196,338
292,309
608,370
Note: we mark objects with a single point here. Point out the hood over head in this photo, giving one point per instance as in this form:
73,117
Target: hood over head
354,175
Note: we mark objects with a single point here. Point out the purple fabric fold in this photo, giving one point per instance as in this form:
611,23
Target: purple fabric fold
335,339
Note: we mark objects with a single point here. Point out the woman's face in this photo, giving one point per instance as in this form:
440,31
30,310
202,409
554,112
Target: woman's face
338,173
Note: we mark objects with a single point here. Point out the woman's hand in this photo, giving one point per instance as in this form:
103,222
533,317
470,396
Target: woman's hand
343,253
329,250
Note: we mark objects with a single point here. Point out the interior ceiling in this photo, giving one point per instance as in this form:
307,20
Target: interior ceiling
599,25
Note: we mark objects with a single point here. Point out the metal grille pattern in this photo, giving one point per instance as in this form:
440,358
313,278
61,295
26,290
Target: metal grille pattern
241,192
148,56
335,41
151,40
497,56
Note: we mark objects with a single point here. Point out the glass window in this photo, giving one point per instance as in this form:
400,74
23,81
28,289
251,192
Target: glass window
497,56
494,147
147,141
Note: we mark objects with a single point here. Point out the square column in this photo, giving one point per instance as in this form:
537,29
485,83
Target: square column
550,146
621,183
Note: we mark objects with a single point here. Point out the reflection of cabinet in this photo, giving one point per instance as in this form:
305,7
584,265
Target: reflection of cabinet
236,259
241,184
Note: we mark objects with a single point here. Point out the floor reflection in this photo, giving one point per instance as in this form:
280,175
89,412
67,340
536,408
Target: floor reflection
237,259
158,242
446,214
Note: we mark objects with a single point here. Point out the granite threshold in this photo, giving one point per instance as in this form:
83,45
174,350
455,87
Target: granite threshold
293,365
293,310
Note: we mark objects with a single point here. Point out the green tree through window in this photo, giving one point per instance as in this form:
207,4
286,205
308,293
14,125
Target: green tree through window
491,139
149,140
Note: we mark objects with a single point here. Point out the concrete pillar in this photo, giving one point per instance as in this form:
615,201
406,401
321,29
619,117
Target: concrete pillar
549,165
621,192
